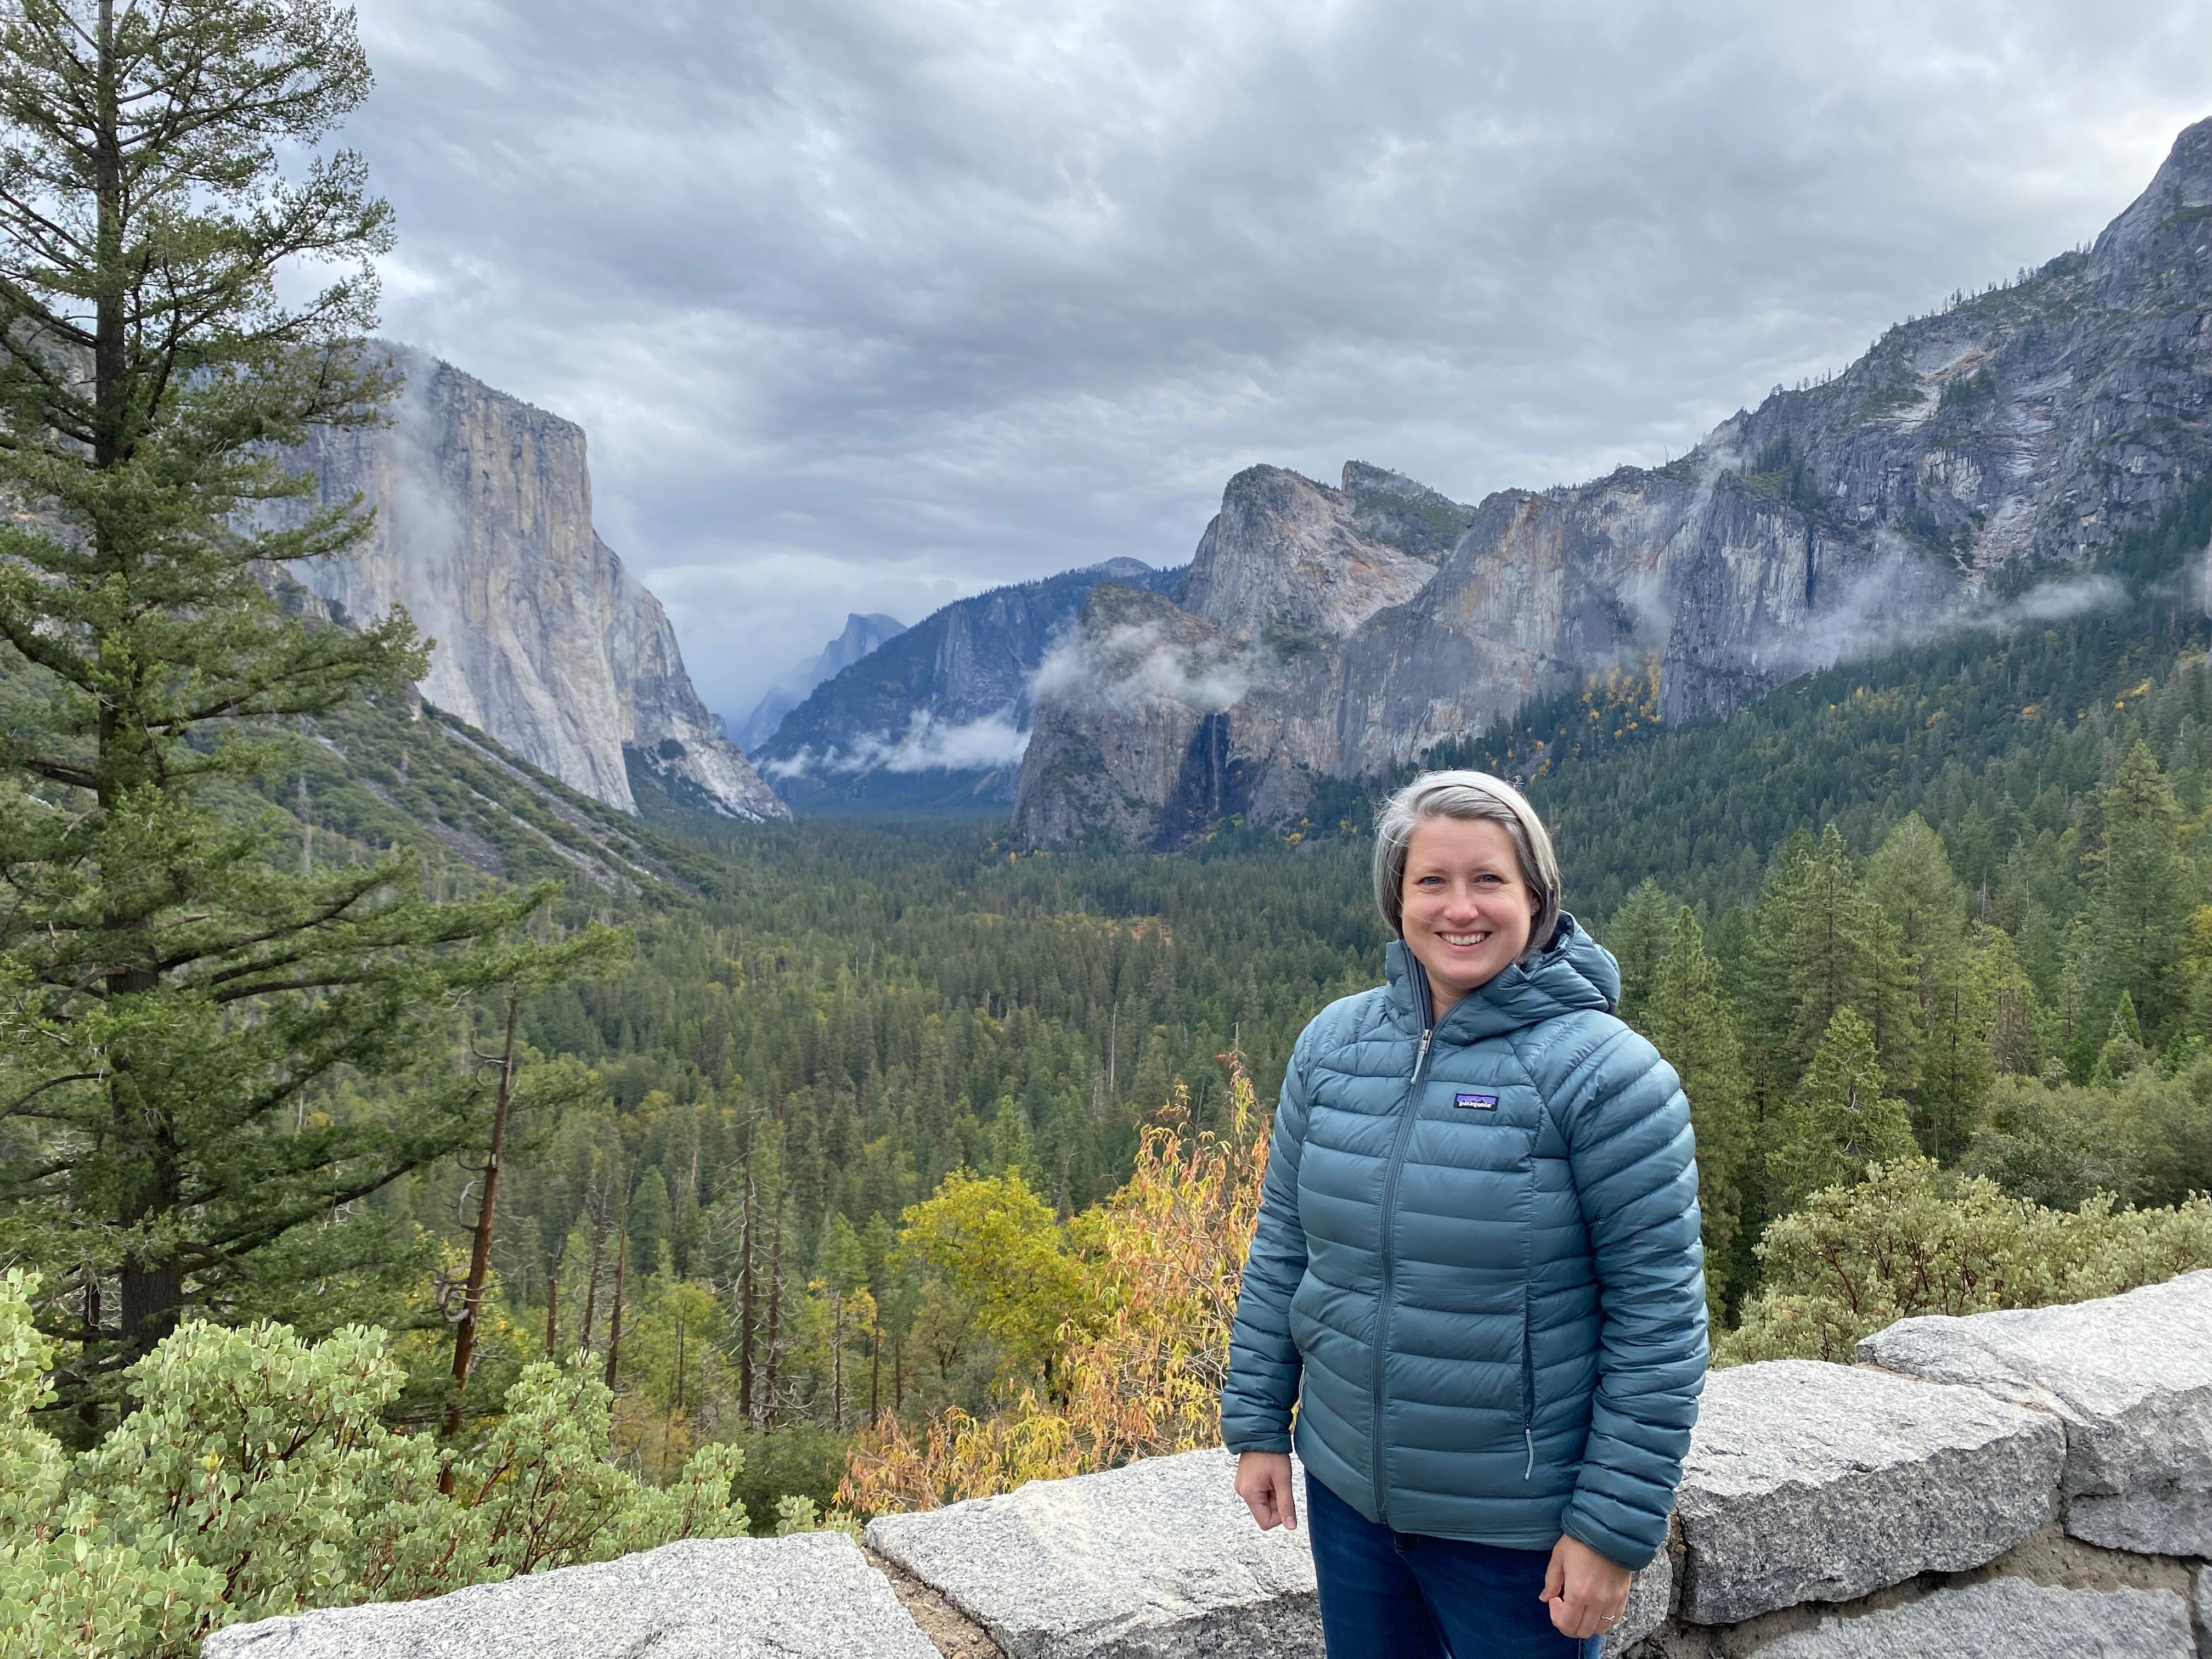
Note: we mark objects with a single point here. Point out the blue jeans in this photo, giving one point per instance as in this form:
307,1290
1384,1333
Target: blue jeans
1387,1594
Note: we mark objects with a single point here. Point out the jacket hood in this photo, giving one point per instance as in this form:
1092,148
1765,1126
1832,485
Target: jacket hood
1573,973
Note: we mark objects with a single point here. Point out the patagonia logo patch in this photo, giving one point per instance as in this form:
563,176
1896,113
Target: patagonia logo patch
1476,1103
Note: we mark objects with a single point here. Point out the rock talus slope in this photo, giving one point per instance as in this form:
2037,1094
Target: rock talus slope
2005,442
544,640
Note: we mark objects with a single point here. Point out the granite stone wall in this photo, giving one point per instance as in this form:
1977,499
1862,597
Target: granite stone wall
2004,1486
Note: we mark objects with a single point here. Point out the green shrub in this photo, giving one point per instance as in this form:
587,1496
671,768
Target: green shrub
1914,1239
257,1478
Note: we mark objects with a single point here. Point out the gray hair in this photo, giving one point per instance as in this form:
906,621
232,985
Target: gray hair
1466,795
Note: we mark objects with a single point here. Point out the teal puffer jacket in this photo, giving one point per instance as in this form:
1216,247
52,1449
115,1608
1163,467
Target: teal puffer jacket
1477,1268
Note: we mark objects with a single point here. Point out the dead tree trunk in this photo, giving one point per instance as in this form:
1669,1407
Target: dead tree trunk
774,1306
614,1320
465,1334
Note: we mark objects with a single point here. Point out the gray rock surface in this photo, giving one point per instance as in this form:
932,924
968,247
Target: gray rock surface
1812,1482
950,698
1288,558
811,1596
2038,423
1650,1599
2003,1618
1129,737
544,640
2202,1611
1157,1558
2131,1378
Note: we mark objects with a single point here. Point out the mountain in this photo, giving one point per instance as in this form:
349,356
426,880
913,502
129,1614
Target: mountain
544,640
1974,467
862,634
936,719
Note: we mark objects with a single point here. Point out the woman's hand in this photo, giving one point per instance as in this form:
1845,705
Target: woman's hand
1588,1592
1263,1481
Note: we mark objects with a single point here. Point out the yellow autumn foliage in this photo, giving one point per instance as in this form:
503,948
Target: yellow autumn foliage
1140,1354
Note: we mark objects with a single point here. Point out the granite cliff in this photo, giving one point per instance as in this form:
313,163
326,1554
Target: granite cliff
1996,449
937,717
544,640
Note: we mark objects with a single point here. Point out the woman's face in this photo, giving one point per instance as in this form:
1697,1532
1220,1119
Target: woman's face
1467,912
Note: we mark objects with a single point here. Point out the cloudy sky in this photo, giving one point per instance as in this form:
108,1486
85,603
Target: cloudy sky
870,304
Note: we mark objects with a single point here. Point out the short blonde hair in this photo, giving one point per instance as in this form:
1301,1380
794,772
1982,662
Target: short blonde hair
1466,795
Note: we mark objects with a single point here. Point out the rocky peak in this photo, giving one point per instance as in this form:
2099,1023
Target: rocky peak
2173,209
862,634
1287,557
1409,515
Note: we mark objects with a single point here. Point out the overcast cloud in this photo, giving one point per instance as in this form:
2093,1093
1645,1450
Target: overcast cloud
869,304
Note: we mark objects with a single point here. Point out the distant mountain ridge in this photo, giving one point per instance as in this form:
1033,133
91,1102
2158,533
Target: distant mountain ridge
938,717
1970,466
862,636
544,640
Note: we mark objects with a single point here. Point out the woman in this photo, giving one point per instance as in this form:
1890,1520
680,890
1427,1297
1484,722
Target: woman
1477,1270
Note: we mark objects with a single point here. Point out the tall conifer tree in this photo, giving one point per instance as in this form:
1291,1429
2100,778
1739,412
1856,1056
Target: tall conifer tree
1687,1017
2142,902
1841,1119
1640,932
179,987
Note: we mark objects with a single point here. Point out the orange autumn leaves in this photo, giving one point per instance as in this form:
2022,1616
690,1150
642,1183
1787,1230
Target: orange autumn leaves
1117,1326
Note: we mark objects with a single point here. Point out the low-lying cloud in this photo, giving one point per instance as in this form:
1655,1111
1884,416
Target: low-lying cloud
1134,664
988,744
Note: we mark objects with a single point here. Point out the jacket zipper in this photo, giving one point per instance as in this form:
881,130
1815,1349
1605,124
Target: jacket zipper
1407,1112
1528,1383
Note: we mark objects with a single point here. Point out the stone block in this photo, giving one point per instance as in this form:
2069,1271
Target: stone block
2131,1377
2203,1599
811,1596
1813,1482
2002,1618
1157,1560
1650,1599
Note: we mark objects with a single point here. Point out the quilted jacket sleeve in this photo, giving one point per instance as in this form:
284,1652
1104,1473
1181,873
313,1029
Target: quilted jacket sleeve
1263,1385
1633,1161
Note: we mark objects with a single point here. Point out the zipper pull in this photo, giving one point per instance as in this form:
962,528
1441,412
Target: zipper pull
1529,1433
1421,1063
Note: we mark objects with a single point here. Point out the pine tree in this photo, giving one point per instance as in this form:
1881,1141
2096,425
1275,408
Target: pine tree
1958,1062
1840,1120
1640,932
843,1268
649,1220
1909,877
2123,1051
1823,945
2142,901
1687,1017
182,985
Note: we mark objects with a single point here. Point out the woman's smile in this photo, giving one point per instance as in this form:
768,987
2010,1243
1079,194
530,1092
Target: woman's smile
1468,907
